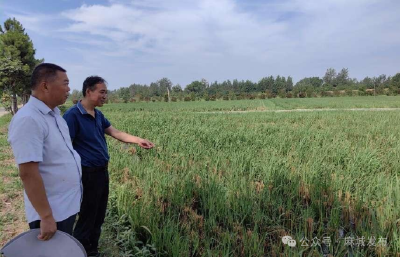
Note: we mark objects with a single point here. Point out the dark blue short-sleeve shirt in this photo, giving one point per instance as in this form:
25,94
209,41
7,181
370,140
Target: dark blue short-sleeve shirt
87,135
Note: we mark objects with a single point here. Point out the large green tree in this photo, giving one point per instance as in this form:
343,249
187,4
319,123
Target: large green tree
395,81
177,88
289,84
165,85
314,82
330,77
17,61
124,94
266,83
196,87
342,78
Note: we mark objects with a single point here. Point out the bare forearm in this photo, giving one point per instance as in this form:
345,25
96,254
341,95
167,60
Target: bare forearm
126,138
35,190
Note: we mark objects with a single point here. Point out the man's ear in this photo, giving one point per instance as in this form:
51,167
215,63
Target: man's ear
43,86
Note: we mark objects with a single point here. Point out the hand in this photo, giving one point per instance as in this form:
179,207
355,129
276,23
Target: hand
146,144
48,228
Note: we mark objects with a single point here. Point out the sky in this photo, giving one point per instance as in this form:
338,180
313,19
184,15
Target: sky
142,41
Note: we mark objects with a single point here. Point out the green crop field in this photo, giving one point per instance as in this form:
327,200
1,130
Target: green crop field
223,183
262,105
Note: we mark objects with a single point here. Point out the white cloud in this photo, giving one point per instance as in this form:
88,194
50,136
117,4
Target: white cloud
226,39
184,42
34,22
220,26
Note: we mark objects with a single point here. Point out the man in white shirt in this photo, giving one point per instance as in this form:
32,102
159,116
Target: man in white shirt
49,167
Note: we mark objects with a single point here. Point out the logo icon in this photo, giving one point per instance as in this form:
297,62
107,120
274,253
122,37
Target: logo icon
288,240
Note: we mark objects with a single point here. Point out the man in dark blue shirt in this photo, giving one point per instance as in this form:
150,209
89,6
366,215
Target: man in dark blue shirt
87,127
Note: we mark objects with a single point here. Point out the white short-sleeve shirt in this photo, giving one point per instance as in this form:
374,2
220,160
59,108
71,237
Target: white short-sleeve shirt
39,134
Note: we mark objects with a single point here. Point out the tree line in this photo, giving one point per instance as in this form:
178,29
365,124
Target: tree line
331,84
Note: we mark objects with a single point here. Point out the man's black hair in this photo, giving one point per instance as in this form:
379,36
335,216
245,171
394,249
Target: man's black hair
44,71
90,83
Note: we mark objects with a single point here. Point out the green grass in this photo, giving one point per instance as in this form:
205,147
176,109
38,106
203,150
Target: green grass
224,185
338,102
257,104
11,201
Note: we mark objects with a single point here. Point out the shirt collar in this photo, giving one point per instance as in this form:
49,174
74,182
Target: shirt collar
82,109
41,106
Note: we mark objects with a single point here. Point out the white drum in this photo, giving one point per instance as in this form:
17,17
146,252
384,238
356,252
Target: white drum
28,245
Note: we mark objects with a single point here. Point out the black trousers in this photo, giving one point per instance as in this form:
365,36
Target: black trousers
95,183
64,226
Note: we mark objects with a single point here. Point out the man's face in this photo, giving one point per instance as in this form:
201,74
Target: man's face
58,88
99,95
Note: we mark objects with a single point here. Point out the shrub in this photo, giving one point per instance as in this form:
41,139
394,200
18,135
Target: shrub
302,95
251,96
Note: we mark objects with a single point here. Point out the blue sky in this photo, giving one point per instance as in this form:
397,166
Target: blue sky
141,41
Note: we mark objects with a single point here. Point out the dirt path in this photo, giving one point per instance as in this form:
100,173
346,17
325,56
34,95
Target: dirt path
311,110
